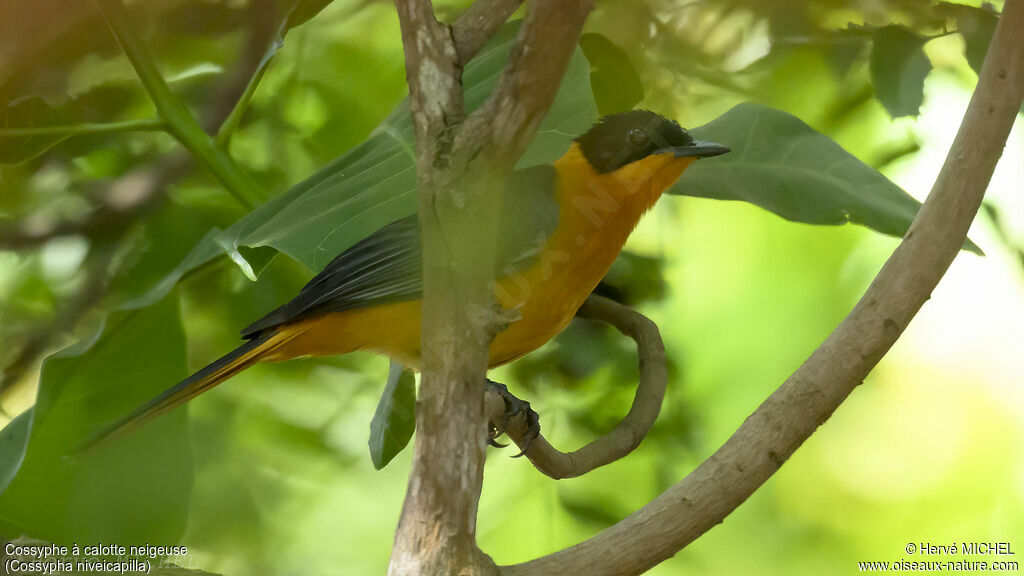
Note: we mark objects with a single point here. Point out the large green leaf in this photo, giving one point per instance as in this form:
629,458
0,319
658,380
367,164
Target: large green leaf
785,166
27,113
130,491
898,69
395,419
616,84
375,183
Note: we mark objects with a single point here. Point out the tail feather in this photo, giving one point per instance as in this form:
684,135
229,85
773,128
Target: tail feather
214,373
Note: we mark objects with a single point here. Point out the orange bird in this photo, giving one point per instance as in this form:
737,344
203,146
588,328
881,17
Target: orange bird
563,226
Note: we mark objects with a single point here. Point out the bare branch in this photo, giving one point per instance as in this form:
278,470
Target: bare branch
437,530
507,121
808,397
460,168
475,27
434,78
628,434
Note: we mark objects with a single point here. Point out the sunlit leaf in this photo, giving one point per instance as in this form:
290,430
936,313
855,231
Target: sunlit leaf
27,113
975,25
133,489
614,80
785,166
395,419
898,69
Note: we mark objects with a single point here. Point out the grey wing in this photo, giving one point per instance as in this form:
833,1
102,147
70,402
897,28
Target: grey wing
383,268
387,266
528,217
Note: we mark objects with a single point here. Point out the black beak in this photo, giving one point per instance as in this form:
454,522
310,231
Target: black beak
696,149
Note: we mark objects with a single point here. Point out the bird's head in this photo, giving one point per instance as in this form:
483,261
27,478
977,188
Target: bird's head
621,139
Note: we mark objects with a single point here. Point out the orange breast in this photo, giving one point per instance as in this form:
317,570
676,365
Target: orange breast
598,212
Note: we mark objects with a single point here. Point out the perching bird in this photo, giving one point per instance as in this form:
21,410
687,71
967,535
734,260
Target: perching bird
562,227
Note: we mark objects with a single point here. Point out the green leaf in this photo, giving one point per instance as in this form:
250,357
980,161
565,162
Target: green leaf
303,11
375,183
130,491
785,166
27,113
13,441
395,419
975,25
203,253
614,80
898,69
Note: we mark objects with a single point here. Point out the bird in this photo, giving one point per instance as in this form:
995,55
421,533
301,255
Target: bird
562,226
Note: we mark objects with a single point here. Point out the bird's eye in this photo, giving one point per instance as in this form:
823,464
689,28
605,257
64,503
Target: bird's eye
637,138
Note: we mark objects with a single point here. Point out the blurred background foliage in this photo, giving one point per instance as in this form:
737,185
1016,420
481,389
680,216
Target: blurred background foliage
281,482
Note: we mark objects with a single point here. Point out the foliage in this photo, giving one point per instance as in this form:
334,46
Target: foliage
131,492
395,419
278,464
786,167
27,113
898,69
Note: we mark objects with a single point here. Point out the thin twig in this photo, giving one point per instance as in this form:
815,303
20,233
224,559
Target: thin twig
265,39
505,124
141,125
629,432
180,121
808,397
475,27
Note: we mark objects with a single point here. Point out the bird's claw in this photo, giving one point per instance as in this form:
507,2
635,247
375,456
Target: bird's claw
513,407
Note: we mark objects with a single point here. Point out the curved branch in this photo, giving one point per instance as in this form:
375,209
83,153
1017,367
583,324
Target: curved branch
629,432
808,397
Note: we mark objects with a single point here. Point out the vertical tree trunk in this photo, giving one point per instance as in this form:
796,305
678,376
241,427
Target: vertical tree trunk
461,165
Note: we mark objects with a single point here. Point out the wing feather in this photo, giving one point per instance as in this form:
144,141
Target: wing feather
387,266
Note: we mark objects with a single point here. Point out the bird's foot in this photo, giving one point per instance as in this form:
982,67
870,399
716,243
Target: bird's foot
513,407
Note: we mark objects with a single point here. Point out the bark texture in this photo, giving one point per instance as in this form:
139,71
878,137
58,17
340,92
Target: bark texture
461,162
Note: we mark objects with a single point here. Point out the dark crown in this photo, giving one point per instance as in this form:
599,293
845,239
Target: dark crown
619,139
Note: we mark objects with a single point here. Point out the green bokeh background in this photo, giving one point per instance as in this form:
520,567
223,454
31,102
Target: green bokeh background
929,449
